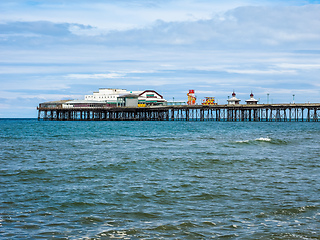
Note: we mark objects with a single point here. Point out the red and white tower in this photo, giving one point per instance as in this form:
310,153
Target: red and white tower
191,98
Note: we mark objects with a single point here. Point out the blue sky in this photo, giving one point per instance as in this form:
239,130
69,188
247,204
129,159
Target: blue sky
59,49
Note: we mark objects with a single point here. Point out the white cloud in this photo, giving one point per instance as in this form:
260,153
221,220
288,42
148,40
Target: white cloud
206,92
4,106
115,15
243,27
95,76
301,66
255,71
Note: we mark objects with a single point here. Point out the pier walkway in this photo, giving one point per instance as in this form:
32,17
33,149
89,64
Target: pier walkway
308,112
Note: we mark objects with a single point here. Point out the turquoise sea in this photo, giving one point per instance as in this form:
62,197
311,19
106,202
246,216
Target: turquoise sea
159,180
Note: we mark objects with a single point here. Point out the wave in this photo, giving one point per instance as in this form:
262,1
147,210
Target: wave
263,140
297,210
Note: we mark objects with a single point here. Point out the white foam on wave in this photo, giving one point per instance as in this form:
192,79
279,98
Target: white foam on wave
263,139
242,141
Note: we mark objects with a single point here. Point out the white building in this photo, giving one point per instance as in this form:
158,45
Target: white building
150,98
108,95
113,95
252,101
233,100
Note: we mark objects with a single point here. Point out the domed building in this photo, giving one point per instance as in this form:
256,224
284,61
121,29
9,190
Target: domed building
233,100
252,101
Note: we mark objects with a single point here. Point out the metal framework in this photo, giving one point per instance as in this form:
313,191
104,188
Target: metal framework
230,113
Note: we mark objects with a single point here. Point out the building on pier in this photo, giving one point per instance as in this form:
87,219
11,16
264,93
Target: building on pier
84,104
209,101
114,97
108,98
150,98
107,95
53,104
233,100
251,100
128,100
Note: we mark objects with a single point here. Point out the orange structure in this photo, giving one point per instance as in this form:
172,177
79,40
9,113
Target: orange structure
208,101
191,98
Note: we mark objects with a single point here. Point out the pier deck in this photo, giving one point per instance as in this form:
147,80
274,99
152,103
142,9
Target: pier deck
308,112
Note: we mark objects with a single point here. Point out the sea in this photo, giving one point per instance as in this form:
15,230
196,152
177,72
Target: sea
159,180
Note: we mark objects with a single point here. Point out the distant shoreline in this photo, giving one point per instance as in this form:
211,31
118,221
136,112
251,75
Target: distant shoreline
1,119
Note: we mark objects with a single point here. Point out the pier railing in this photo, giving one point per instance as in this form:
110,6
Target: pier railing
308,112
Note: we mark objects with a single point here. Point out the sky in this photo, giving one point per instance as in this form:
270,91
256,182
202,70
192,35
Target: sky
65,49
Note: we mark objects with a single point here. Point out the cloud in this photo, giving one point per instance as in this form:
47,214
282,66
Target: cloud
256,71
114,15
38,28
95,76
206,92
244,27
41,33
300,66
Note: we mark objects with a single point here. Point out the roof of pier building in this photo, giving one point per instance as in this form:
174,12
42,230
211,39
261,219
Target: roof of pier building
130,95
83,103
233,100
53,103
251,100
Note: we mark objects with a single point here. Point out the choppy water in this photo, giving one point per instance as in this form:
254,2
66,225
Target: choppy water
159,180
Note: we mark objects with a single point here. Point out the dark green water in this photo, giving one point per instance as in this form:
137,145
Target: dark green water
159,180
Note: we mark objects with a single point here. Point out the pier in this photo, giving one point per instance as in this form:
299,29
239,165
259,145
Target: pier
308,112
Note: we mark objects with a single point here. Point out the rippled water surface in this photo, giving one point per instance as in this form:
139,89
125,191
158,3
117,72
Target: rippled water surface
159,180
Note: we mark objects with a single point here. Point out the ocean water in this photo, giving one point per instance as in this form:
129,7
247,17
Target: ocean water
159,180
